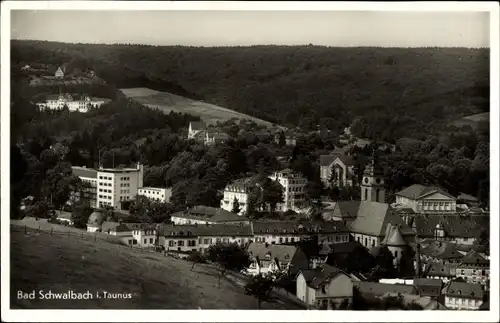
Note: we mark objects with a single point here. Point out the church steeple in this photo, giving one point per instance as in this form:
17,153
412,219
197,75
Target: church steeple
372,186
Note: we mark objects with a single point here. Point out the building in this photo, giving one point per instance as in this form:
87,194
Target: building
133,234
474,268
426,199
196,128
454,228
428,287
215,137
294,189
278,232
198,237
95,221
372,185
89,176
289,138
267,258
345,211
440,271
337,170
440,252
324,287
59,72
463,296
207,215
239,190
373,289
468,200
113,185
83,104
156,194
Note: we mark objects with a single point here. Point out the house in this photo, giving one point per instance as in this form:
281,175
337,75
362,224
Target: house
345,211
324,287
463,296
64,217
426,199
290,139
278,232
59,72
157,194
428,287
440,271
207,215
294,189
426,302
215,137
474,268
455,228
337,170
267,258
373,289
196,127
238,190
199,237
81,104
468,200
440,252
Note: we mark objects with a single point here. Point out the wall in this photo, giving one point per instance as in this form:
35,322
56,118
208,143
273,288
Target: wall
278,239
474,275
155,194
227,201
339,289
370,240
458,303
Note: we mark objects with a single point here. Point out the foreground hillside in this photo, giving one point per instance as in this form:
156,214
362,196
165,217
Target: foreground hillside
168,102
57,263
401,91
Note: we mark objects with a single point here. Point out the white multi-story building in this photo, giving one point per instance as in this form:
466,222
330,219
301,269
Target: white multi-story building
294,188
238,190
463,296
113,185
156,194
57,102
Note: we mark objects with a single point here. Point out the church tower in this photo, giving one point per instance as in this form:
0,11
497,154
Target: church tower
372,185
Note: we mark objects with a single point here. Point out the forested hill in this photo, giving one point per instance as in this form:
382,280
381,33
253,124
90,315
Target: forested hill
396,91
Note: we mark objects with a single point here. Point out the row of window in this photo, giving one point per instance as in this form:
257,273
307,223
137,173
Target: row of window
105,184
105,197
296,189
125,185
105,178
124,198
125,178
101,204
104,190
124,191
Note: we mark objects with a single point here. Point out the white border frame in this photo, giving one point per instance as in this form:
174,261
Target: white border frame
240,315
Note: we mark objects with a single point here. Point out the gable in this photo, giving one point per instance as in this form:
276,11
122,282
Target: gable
436,196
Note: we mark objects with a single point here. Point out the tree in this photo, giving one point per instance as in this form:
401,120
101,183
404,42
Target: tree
261,287
282,139
236,206
196,258
483,240
80,214
228,257
384,267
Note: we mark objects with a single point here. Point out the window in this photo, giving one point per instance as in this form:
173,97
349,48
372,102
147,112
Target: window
191,243
180,243
170,243
206,241
281,240
145,241
151,240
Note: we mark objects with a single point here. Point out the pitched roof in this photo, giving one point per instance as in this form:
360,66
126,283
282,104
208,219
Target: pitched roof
441,250
467,197
284,253
318,276
463,290
208,213
326,160
347,209
418,191
245,184
380,289
347,160
84,172
454,225
275,227
197,125
373,218
473,258
218,230
109,225
440,270
428,287
393,236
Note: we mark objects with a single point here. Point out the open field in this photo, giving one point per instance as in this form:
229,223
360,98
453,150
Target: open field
60,263
167,102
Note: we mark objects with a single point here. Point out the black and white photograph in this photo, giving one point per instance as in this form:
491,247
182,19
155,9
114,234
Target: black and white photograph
312,161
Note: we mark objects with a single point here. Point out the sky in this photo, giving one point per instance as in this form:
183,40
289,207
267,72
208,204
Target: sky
243,28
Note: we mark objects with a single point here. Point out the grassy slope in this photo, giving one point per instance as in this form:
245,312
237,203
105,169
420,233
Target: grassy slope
60,263
170,102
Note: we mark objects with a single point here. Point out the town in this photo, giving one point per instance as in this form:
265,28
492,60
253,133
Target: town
324,203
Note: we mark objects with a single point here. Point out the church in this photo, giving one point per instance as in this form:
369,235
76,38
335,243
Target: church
377,223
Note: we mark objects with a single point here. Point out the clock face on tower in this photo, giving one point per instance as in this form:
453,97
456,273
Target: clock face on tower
366,180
